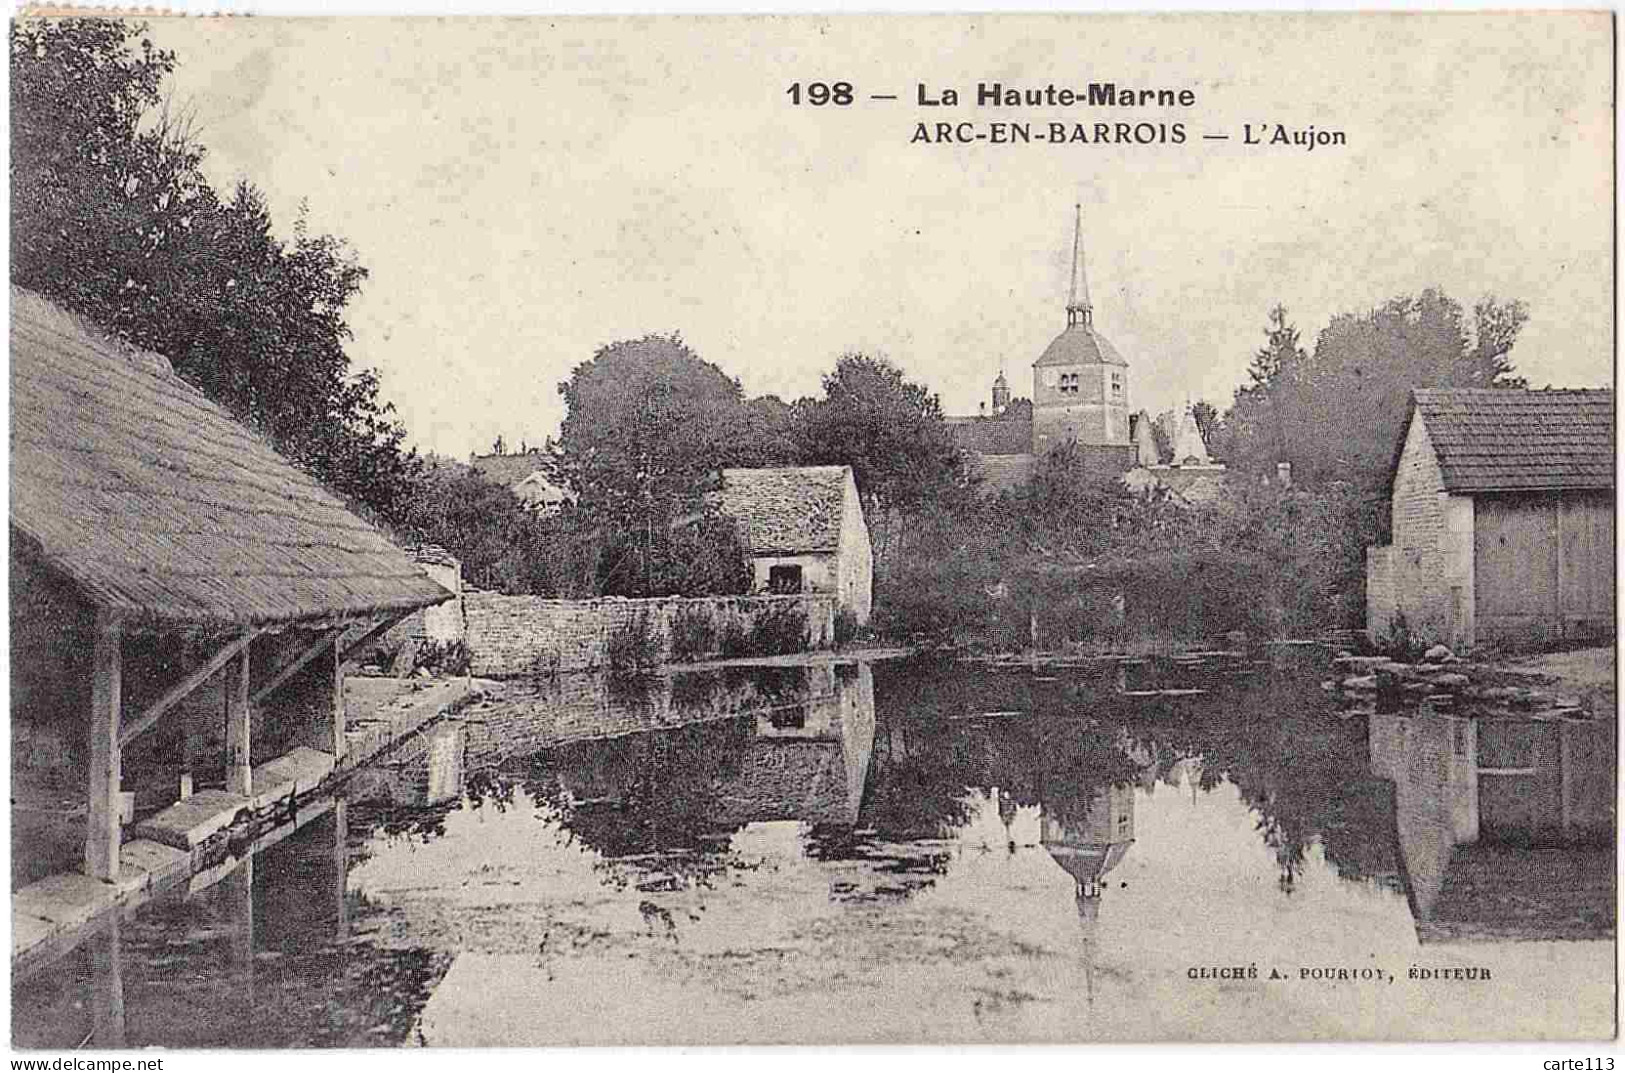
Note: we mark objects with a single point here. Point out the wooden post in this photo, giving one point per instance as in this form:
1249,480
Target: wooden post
338,699
104,831
341,864
107,984
239,773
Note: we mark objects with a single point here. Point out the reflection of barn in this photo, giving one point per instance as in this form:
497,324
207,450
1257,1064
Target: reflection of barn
1505,827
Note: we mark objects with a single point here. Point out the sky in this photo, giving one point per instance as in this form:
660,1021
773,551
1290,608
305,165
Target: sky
524,191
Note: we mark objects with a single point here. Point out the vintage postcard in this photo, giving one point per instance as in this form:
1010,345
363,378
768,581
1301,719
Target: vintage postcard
812,530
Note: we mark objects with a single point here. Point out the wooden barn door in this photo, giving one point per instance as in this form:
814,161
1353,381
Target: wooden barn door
1515,568
1586,563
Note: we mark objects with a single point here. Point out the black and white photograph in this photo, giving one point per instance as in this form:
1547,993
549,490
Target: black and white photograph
842,531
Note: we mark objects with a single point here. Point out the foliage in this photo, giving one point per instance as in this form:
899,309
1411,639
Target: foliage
502,546
735,640
1401,645
846,626
634,645
891,431
702,555
647,425
778,629
693,633
442,657
1337,415
113,217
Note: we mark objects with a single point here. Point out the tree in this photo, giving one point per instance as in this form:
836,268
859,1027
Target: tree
1207,419
890,430
1337,415
1253,433
113,218
647,426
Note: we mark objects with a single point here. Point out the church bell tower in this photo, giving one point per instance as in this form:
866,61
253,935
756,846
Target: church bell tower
1080,382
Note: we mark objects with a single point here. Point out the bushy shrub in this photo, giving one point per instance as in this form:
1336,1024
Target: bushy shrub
693,633
779,629
634,645
735,639
442,657
1401,644
846,627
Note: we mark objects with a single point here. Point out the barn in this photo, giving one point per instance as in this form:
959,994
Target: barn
1503,520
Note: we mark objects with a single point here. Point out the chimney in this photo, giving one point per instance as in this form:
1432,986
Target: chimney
981,409
1283,474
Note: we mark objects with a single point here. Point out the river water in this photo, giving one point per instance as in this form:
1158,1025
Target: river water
895,852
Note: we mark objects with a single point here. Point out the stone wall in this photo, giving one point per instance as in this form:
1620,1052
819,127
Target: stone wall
442,623
1430,560
511,636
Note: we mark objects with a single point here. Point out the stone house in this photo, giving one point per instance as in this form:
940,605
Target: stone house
806,531
1503,519
183,600
524,474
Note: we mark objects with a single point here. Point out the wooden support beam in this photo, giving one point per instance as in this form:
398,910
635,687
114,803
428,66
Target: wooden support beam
378,629
338,701
239,773
107,986
178,692
299,663
104,832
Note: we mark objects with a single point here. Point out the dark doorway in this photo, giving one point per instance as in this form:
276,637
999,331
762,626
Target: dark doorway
783,580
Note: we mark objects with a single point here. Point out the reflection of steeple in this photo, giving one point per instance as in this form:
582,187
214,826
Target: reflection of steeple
1091,846
1007,816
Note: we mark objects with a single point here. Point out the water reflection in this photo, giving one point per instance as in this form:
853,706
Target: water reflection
1505,825
857,852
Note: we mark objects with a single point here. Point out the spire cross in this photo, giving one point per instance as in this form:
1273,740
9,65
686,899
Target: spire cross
1079,310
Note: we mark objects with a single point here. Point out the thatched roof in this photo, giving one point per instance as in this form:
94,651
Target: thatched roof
153,501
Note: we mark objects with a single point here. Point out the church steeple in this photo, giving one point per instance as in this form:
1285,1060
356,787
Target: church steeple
1079,310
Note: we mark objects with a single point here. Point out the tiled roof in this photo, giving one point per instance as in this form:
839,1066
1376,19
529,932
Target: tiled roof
787,511
992,435
1080,345
1496,440
508,470
152,500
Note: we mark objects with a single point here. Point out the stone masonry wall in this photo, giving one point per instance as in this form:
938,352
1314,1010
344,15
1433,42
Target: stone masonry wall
510,636
1423,562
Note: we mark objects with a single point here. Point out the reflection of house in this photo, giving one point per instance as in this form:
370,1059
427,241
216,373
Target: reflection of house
525,475
1505,827
1503,519
1092,845
804,755
806,531
813,772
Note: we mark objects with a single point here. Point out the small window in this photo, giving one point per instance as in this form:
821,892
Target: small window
1069,383
784,580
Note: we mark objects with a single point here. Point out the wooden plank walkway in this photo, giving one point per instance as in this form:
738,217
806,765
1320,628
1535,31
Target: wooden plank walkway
213,831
